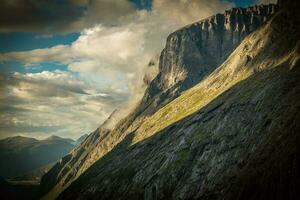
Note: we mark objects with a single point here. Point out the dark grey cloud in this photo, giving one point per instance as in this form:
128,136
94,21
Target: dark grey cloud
12,109
37,15
49,16
44,84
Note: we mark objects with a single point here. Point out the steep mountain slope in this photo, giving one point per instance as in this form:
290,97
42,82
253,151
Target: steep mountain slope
20,155
234,135
191,54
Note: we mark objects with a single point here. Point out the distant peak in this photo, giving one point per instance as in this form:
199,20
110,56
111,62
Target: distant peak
19,138
53,137
57,138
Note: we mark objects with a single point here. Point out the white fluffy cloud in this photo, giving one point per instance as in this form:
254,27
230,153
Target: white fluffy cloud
97,49
187,11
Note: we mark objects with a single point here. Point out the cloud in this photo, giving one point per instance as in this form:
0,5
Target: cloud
188,11
58,83
37,104
97,48
40,16
47,16
60,16
38,55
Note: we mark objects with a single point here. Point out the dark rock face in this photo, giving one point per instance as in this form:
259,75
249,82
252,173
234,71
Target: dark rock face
194,51
243,144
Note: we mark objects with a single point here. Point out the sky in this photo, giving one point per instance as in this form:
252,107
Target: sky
65,65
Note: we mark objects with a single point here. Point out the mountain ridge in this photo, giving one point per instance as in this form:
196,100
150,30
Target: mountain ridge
20,155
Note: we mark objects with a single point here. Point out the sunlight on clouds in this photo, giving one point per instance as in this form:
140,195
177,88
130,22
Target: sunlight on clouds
188,11
113,44
110,63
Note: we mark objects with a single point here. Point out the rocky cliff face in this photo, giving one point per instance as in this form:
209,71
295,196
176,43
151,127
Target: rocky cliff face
191,54
194,51
234,135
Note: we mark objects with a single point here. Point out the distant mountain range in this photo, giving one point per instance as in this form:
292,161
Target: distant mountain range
28,158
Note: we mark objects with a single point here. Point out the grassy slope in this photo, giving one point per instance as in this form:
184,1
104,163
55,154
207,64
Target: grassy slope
238,67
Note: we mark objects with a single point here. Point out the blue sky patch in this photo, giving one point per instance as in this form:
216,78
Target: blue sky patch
13,66
28,41
142,4
243,3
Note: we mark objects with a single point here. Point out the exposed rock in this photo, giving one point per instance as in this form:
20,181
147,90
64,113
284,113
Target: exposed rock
194,51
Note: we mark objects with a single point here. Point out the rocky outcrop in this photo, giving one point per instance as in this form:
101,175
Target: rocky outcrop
234,135
194,51
190,55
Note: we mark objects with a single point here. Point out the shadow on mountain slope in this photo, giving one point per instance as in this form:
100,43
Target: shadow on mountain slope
9,191
242,145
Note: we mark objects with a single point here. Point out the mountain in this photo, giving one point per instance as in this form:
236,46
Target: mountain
21,155
212,124
54,138
196,50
